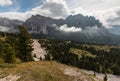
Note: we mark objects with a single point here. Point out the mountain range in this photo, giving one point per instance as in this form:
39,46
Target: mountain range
78,28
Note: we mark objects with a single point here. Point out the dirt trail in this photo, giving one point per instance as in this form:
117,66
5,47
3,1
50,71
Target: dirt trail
80,75
101,76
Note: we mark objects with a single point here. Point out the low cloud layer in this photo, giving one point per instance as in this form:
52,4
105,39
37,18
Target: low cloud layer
65,28
5,2
4,29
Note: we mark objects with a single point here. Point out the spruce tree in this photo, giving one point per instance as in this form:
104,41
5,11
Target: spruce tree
1,49
25,45
9,52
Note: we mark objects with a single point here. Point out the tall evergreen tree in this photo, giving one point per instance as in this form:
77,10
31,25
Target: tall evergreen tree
10,56
25,45
12,40
1,48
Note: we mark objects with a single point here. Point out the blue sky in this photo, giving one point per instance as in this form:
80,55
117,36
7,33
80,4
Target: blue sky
21,5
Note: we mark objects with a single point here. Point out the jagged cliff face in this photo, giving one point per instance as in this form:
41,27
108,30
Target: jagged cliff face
41,24
74,27
38,24
82,21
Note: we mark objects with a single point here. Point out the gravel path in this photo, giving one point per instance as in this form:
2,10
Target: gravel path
101,76
79,75
38,51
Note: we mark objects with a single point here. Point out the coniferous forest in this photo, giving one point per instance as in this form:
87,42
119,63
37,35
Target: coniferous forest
99,58
14,47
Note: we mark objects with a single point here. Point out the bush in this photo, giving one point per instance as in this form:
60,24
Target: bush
105,77
18,60
1,60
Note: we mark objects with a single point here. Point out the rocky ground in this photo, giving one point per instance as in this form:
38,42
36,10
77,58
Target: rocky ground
38,52
101,76
10,78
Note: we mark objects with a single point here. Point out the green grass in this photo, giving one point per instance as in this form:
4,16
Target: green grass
101,47
80,52
6,65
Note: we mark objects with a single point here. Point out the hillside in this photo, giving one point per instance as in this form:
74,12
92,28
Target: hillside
43,71
99,58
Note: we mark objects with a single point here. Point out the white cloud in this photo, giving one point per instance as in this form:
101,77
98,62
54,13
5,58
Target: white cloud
65,28
5,2
78,11
108,16
4,29
50,8
53,8
13,15
92,5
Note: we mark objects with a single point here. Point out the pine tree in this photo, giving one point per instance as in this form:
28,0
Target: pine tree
2,55
12,40
25,45
9,52
1,49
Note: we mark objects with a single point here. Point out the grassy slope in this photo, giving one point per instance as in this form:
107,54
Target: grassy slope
101,47
80,52
45,71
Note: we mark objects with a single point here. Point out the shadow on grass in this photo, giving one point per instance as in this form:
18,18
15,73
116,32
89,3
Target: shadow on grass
6,65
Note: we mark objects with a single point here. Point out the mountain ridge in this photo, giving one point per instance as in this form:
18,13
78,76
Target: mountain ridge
89,29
